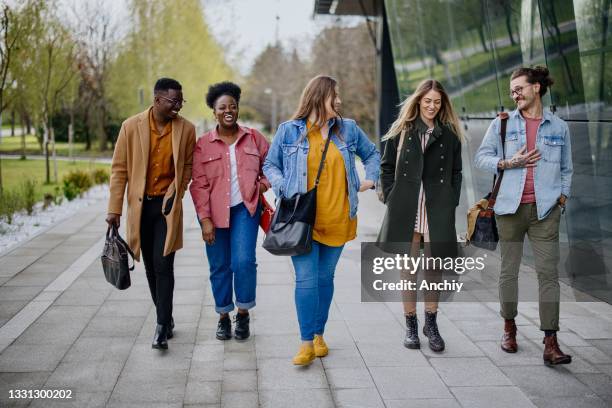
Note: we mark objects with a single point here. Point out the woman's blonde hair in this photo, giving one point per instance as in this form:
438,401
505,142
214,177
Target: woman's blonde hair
318,90
409,110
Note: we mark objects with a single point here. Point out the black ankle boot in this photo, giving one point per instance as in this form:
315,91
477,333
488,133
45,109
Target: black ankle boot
171,329
411,340
224,328
430,329
160,340
241,331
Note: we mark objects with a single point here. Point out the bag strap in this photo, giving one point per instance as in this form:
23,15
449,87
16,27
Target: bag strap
322,159
399,150
497,180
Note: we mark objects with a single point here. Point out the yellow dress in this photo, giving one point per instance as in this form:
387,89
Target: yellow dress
333,225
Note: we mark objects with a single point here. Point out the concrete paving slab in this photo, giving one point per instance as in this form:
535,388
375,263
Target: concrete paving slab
485,397
313,398
469,371
405,383
357,398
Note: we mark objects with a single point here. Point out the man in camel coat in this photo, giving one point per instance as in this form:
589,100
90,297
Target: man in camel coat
153,158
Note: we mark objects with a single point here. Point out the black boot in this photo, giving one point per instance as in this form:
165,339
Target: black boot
224,328
411,340
430,329
171,329
160,340
241,331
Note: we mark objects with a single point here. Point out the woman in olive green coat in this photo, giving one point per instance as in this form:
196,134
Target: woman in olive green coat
421,187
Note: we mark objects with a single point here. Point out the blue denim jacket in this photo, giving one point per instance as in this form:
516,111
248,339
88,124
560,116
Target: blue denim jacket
551,177
286,164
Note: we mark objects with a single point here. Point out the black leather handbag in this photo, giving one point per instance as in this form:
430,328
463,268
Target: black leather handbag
485,234
115,259
291,229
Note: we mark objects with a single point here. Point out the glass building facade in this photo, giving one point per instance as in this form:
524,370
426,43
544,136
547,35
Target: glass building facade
472,47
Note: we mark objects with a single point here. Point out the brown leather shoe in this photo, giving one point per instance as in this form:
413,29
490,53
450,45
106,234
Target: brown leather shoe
508,341
552,353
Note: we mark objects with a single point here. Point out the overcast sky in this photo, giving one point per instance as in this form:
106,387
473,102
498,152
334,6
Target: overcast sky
246,27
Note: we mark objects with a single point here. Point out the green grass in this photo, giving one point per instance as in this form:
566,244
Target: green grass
12,145
14,171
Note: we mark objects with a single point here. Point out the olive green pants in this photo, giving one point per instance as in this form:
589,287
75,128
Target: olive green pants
544,238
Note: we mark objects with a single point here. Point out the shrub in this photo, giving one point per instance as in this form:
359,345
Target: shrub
48,199
100,176
10,202
71,191
76,183
59,197
28,189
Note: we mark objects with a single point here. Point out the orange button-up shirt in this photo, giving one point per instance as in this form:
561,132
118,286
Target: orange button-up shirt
160,171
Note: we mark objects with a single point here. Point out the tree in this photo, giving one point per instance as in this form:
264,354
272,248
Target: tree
23,67
10,32
170,41
95,53
53,52
277,77
355,71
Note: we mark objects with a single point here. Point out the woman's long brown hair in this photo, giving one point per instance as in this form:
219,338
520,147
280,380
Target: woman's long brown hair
410,110
318,90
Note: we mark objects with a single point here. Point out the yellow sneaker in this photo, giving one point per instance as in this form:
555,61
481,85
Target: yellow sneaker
320,348
305,355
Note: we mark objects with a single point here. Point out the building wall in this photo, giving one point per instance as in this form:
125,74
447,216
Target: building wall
472,46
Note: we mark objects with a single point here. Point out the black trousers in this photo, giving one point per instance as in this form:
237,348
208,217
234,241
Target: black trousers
159,268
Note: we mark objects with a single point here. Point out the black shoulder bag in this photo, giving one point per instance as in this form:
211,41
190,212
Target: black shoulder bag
115,261
485,231
291,229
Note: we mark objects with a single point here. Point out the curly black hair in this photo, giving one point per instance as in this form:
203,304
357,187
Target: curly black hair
222,88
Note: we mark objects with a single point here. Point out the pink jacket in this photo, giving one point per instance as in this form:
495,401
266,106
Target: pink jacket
210,188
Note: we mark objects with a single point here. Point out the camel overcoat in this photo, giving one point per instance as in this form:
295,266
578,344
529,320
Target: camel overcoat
129,168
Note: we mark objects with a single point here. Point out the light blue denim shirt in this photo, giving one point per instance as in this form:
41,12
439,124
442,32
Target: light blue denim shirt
553,173
286,165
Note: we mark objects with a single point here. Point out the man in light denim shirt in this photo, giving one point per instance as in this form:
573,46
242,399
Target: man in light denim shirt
538,170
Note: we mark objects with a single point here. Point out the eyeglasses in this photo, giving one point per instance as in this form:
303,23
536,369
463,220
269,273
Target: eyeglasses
174,102
518,91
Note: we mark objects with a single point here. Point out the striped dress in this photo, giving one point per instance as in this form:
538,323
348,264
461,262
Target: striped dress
420,224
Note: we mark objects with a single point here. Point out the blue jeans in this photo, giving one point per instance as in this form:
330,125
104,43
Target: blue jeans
314,287
232,261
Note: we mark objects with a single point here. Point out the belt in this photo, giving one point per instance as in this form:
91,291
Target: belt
153,197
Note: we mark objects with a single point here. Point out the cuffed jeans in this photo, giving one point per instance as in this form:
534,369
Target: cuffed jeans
159,268
232,261
314,287
544,238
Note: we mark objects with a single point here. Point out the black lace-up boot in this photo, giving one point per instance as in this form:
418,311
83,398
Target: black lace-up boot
411,340
241,331
224,328
430,329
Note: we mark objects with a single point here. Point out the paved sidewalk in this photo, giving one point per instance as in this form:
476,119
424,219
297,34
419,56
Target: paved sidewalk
94,340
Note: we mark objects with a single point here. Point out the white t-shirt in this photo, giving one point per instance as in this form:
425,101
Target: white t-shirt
235,195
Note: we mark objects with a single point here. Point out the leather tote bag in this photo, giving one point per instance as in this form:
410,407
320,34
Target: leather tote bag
484,233
291,229
115,259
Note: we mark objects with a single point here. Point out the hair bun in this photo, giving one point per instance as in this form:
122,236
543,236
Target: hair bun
543,75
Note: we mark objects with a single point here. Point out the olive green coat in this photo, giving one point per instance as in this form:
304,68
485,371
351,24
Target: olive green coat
439,168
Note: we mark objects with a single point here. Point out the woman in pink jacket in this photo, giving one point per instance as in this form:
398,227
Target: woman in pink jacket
227,183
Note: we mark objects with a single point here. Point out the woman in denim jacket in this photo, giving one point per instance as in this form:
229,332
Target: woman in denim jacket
291,167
